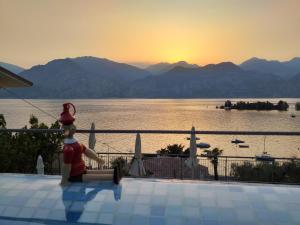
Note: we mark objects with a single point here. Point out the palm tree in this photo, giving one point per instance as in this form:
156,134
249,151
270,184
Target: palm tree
213,156
297,106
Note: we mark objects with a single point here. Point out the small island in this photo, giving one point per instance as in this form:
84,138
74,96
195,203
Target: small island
241,105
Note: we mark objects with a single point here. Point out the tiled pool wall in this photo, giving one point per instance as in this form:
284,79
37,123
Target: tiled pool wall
30,199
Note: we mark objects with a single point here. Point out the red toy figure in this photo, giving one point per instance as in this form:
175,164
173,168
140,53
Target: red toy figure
73,169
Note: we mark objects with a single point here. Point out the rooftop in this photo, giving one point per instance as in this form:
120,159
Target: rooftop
9,79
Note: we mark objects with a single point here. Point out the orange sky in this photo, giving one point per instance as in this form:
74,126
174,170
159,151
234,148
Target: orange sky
149,31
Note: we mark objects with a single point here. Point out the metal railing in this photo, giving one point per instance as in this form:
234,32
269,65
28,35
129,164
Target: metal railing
207,132
229,168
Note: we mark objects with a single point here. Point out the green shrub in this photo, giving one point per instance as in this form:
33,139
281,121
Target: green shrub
175,149
120,161
19,151
286,172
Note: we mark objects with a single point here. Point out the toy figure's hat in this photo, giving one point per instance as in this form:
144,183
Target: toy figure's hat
66,118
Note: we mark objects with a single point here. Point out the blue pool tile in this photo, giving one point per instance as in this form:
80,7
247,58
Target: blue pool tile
222,222
174,210
92,206
263,215
228,215
41,213
191,212
157,210
88,217
19,201
6,200
157,221
178,203
105,218
33,202
26,212
40,194
193,221
283,217
191,202
57,215
210,222
235,189
47,203
108,208
125,208
11,211
121,219
158,200
175,221
141,209
138,220
210,213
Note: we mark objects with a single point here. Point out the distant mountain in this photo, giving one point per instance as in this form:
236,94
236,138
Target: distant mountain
224,80
83,77
90,77
285,69
161,68
11,67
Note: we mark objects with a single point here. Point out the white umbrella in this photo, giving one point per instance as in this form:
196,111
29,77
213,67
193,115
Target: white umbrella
92,142
137,167
40,165
192,161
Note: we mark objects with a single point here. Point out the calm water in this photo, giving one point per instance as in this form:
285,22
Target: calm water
167,114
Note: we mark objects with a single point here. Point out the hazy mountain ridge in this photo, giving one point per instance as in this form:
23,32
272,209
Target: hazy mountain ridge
164,67
83,77
285,69
90,77
212,81
11,67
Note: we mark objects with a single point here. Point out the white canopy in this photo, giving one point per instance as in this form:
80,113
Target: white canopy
137,167
92,142
192,161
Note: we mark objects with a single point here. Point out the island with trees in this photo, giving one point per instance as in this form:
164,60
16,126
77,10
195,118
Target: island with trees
242,105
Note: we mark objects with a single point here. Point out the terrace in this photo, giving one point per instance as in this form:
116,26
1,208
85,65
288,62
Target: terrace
169,194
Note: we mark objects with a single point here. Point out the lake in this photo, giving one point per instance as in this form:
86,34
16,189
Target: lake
167,114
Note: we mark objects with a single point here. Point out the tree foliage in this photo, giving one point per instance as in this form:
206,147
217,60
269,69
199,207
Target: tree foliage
19,151
213,156
241,105
175,149
297,106
286,172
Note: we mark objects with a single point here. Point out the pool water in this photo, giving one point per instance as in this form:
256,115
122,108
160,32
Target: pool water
37,200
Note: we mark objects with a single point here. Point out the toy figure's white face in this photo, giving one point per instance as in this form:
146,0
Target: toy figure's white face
69,130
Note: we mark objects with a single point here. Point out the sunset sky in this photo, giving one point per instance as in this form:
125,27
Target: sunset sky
145,32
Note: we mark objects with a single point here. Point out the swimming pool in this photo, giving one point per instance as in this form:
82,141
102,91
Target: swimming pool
37,200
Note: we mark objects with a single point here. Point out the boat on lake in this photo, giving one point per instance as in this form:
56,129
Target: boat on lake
237,141
264,157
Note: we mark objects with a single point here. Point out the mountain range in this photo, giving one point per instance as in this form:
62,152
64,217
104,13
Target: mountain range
91,77
286,69
164,67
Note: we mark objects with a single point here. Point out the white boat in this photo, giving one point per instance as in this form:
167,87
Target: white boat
264,157
203,145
